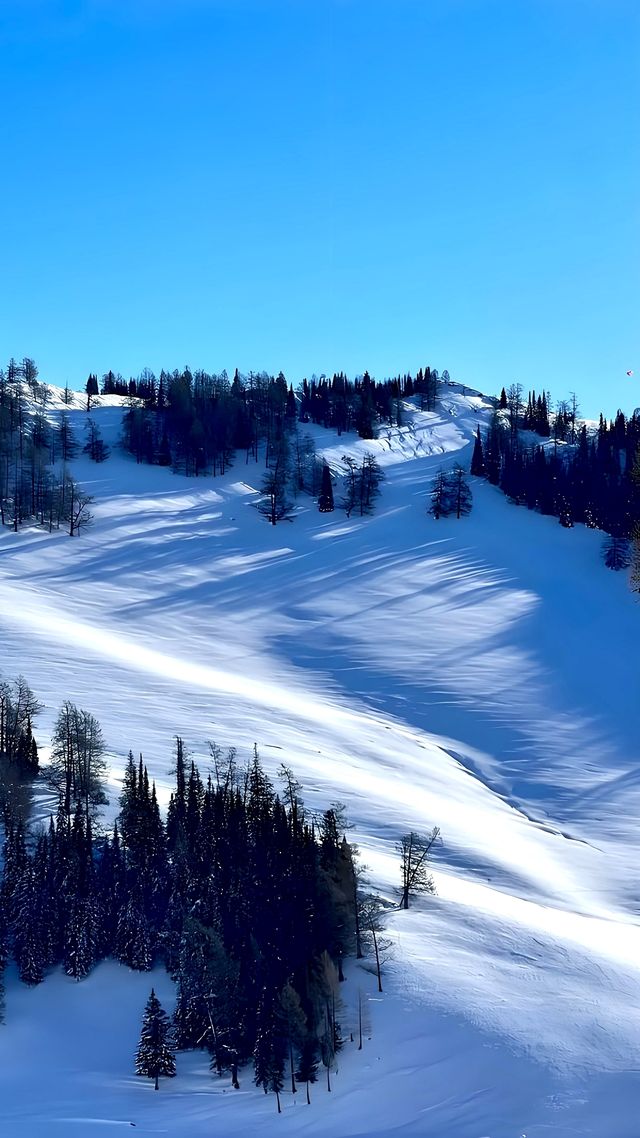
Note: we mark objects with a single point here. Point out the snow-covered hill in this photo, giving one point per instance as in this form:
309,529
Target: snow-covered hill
481,675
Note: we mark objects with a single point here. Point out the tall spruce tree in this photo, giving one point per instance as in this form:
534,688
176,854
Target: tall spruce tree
271,1045
154,1057
307,1071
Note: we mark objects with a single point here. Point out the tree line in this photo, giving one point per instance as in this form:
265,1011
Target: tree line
582,476
36,484
250,901
247,899
196,421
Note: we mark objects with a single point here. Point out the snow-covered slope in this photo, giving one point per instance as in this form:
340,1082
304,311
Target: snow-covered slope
480,675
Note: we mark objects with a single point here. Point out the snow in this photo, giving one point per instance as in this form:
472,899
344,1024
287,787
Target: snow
479,675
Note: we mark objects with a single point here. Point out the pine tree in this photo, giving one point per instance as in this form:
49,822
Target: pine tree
271,1045
325,501
295,1023
477,460
308,1063
460,493
28,940
275,504
80,922
439,496
133,938
78,767
617,553
154,1057
91,389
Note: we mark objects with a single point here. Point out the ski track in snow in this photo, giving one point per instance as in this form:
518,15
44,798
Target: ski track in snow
477,675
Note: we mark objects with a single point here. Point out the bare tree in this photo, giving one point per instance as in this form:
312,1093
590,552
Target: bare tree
414,850
77,504
371,911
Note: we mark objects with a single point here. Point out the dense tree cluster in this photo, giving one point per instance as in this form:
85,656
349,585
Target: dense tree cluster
361,484
361,404
248,900
18,710
35,482
195,421
450,494
589,480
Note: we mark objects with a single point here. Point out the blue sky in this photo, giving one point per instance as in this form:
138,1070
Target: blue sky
317,185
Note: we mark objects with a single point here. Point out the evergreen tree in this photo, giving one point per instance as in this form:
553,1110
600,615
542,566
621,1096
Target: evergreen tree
617,553
78,767
295,1024
307,1071
133,937
29,949
271,1045
459,492
110,890
440,499
95,445
477,460
325,501
154,1057
92,389
81,925
275,504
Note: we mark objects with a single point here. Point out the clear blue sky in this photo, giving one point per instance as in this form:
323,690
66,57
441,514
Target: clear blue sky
317,185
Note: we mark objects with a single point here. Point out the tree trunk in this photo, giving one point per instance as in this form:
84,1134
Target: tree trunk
375,949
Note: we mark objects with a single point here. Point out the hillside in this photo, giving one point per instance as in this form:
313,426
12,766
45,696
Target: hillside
477,675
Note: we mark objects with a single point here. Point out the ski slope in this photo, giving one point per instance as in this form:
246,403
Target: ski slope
480,675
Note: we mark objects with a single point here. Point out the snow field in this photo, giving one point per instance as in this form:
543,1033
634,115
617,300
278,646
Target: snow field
478,675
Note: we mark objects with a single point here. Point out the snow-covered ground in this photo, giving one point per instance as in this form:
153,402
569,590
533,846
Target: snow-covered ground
480,675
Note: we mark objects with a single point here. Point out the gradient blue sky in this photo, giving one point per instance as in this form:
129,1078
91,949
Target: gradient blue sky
316,185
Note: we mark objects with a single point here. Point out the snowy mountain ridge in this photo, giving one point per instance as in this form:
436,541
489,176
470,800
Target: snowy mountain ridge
475,674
